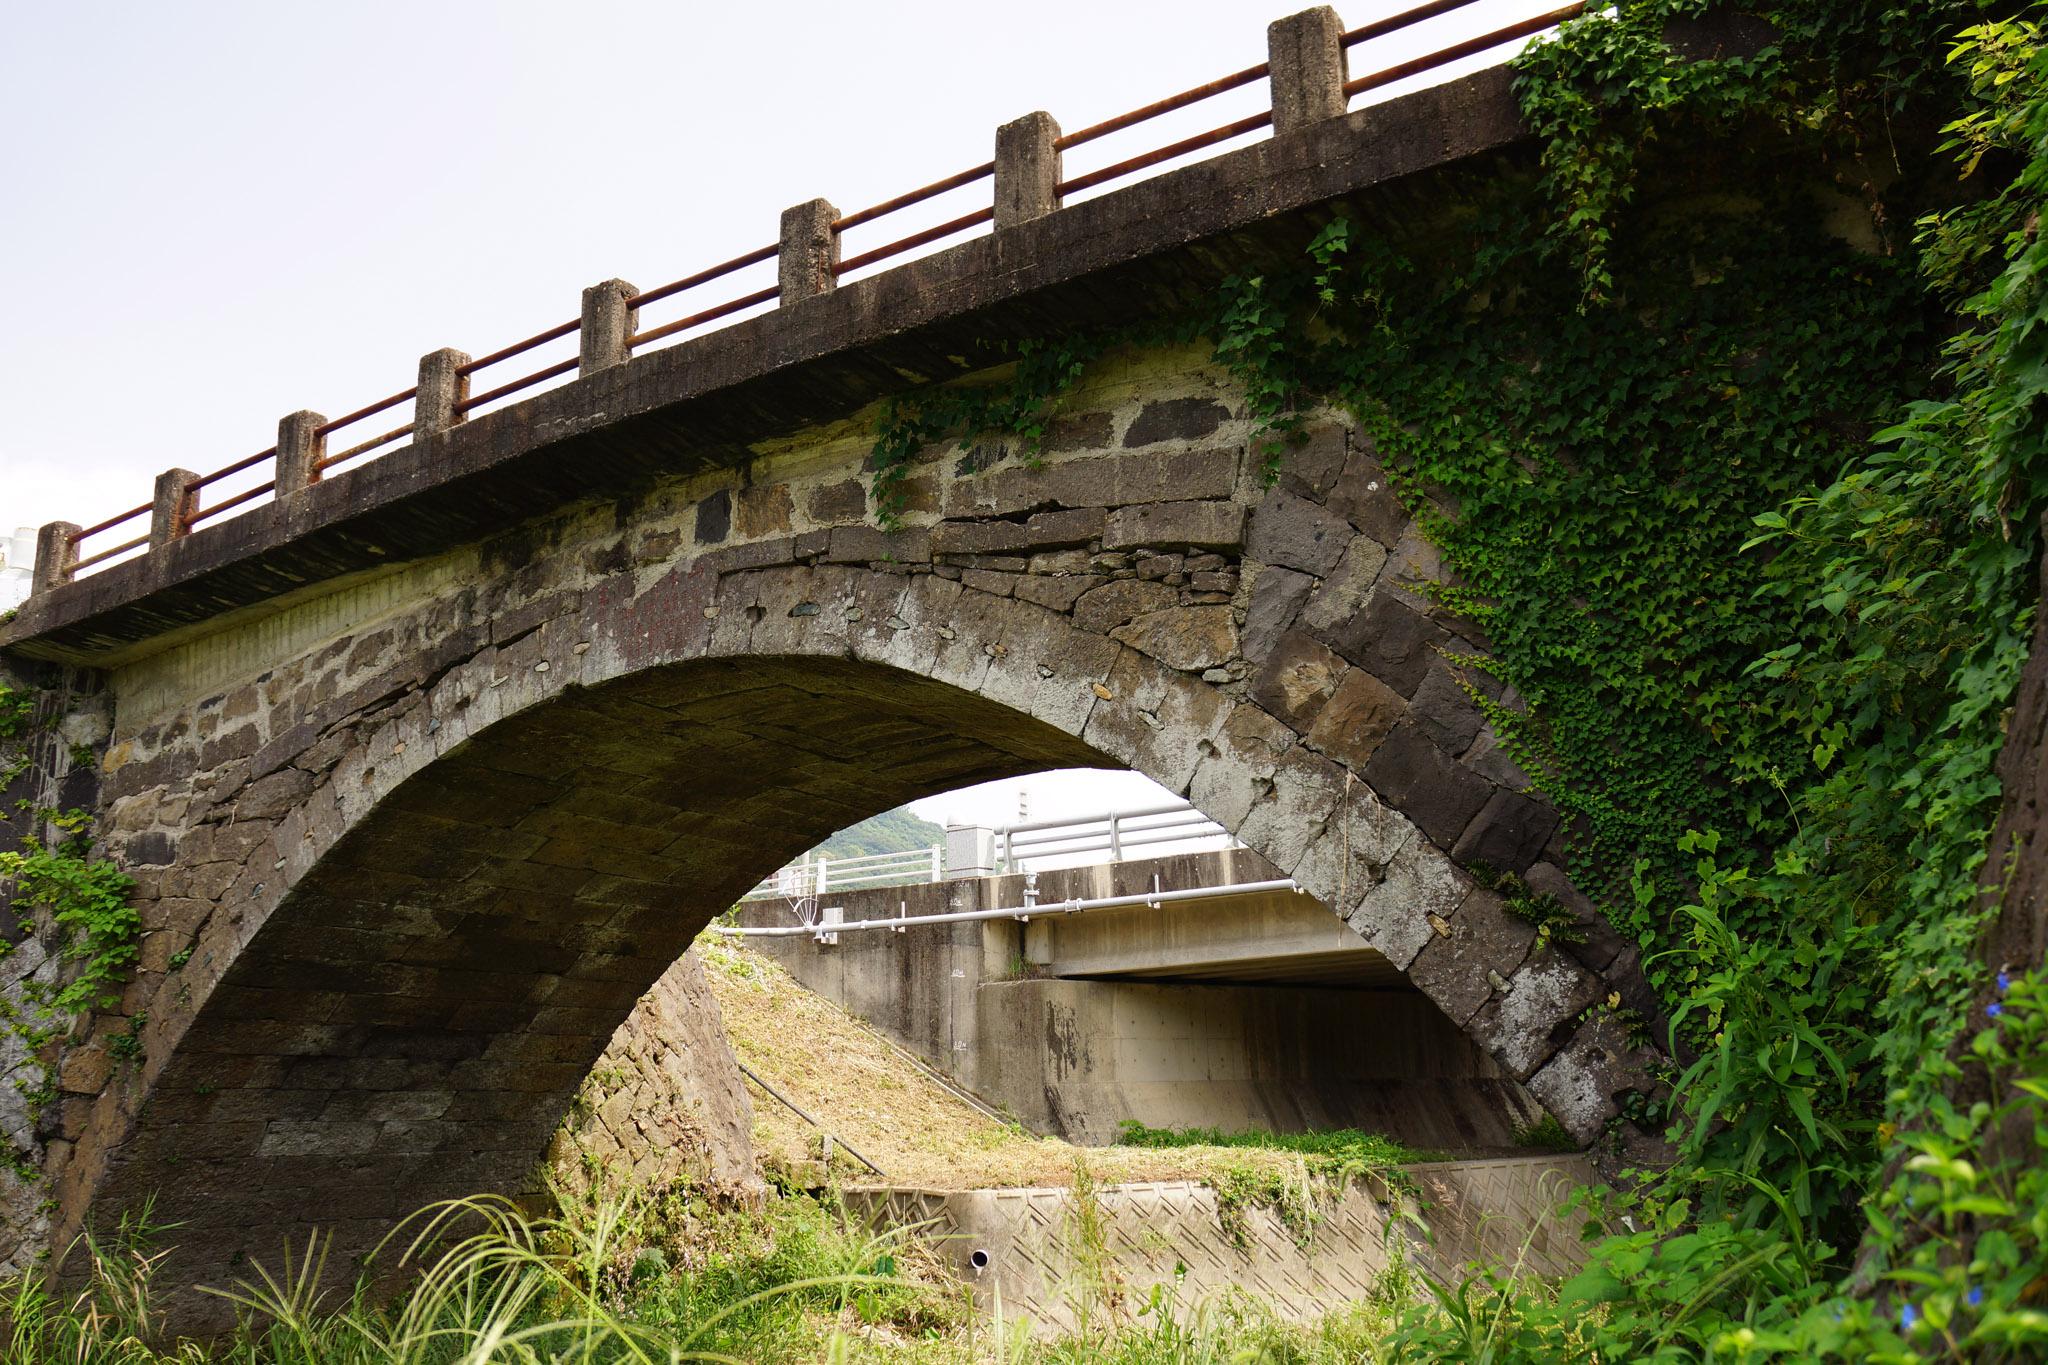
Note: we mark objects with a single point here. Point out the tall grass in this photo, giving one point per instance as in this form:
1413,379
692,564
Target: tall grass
622,1281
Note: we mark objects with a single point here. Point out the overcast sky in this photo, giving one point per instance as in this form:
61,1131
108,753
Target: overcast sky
218,213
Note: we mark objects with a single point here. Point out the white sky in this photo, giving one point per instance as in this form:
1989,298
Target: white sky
217,213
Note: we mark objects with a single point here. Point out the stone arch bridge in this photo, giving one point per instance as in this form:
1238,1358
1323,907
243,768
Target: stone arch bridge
427,768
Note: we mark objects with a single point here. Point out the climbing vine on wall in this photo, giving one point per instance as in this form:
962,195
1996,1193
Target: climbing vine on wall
1761,580
57,889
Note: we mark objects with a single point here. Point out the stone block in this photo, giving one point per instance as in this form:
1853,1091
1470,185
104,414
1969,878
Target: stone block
1358,716
1244,754
984,580
1078,431
1204,525
1312,467
1276,599
1508,832
1445,711
1601,945
714,517
1056,591
1175,419
1364,496
866,544
1486,757
1421,781
1481,939
1298,677
1295,533
1583,1085
763,510
1113,604
844,501
267,798
1187,638
1418,881
1307,790
1413,564
1075,526
1526,1024
1389,640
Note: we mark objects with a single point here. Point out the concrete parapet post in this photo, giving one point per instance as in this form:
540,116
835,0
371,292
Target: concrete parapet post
607,323
970,851
809,257
56,552
443,389
1306,68
299,449
1027,169
177,497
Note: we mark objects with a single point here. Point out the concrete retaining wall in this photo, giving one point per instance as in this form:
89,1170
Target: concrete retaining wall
1172,1233
1233,1027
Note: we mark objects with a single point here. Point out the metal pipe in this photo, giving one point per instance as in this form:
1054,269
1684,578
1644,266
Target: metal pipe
328,462
123,548
1170,808
790,1104
100,526
380,405
708,315
554,333
246,495
917,239
1069,907
754,257
1165,106
516,385
1379,28
1470,47
918,196
1169,152
246,462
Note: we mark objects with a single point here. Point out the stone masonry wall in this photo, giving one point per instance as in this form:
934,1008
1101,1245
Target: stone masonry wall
665,1102
52,766
396,835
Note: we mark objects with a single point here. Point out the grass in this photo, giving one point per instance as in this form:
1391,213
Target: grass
629,1283
1351,1146
876,1097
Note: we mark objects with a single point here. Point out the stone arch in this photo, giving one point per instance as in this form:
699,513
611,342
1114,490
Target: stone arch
433,918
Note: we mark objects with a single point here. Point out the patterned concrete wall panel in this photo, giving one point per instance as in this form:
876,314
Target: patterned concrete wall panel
1028,1253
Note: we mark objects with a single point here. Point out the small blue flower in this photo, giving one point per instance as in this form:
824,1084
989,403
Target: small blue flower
1907,1317
1840,1312
1994,1010
1976,1297
2004,982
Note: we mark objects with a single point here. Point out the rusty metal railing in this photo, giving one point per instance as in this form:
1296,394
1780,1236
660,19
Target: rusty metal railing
301,456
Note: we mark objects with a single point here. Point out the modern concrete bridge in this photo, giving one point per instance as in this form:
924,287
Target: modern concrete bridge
427,766
1247,1006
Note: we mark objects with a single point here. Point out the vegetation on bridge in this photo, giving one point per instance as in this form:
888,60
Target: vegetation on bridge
1765,576
1750,514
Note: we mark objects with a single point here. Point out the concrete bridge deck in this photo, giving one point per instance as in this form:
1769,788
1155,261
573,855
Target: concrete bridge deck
1258,1011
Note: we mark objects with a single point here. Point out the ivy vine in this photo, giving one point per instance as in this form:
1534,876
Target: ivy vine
1747,506
78,903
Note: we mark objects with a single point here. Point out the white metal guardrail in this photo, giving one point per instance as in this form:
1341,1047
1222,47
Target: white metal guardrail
1011,848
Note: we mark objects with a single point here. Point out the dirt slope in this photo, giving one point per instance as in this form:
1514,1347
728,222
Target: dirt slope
872,1094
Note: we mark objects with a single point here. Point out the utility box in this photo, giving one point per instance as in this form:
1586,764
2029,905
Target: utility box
970,851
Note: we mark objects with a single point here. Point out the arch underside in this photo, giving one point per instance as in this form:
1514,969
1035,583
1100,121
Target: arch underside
411,1022
426,863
